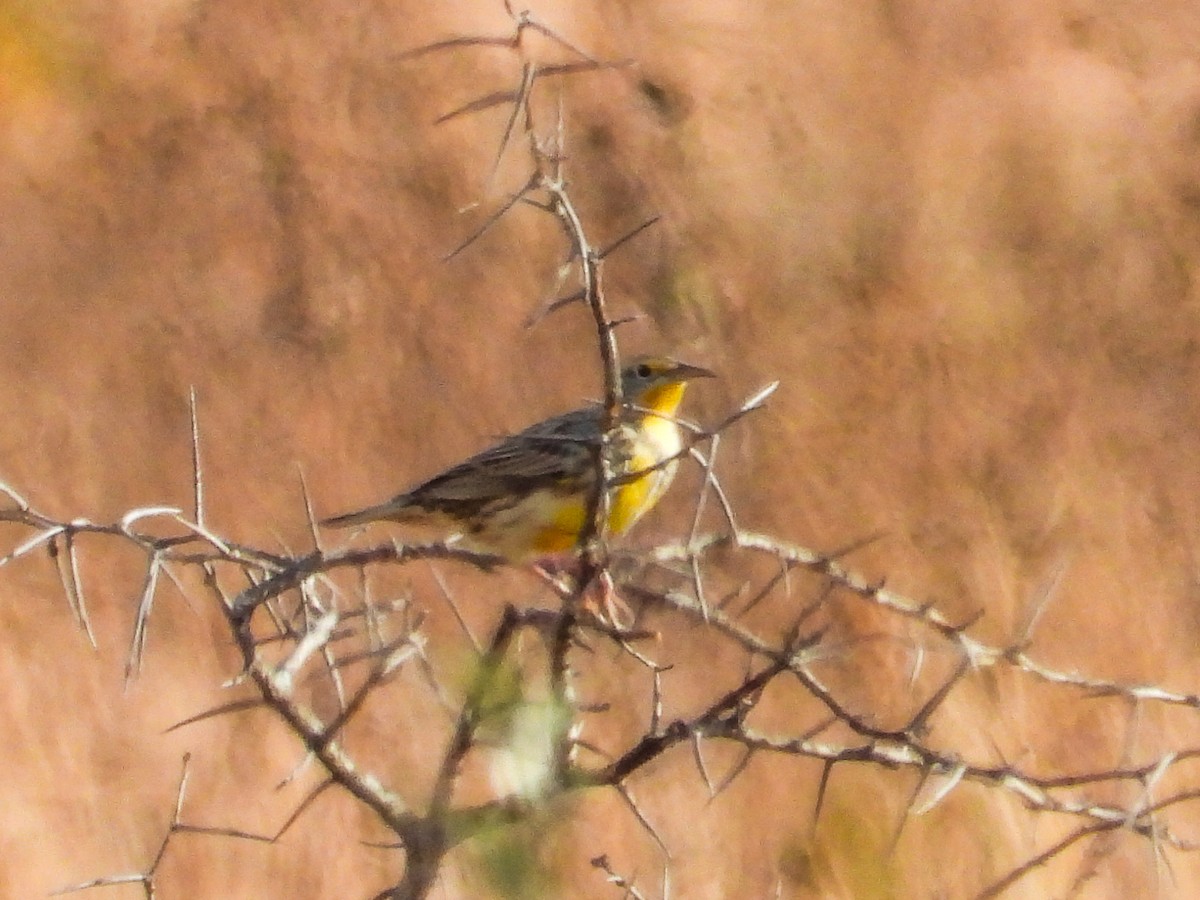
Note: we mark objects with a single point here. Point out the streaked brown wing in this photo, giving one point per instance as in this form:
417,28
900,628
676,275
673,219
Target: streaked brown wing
551,454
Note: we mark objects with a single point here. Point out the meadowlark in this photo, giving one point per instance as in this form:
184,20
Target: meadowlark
526,497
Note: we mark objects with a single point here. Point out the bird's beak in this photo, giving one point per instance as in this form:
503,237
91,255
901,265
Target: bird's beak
685,372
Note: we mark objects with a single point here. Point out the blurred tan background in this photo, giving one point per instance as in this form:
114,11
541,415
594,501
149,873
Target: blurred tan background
966,240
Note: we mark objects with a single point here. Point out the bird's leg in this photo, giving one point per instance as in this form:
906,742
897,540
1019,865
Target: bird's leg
600,598
614,610
555,572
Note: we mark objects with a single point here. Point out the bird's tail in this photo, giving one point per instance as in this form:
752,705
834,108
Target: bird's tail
391,510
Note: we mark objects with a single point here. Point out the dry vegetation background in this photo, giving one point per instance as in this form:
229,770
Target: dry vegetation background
965,239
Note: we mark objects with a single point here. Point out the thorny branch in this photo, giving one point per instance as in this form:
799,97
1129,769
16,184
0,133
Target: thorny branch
177,826
290,621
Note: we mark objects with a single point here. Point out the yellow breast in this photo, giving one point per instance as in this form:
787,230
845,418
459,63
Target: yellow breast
657,439
642,448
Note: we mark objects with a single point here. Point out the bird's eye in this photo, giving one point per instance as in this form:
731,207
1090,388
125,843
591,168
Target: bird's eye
643,371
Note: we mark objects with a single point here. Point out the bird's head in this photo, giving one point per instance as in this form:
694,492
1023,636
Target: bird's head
657,382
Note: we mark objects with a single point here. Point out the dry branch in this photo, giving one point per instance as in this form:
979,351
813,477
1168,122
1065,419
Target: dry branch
292,640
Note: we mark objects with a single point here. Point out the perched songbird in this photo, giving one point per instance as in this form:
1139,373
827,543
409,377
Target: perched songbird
527,496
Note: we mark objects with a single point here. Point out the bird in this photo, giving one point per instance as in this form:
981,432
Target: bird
525,498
